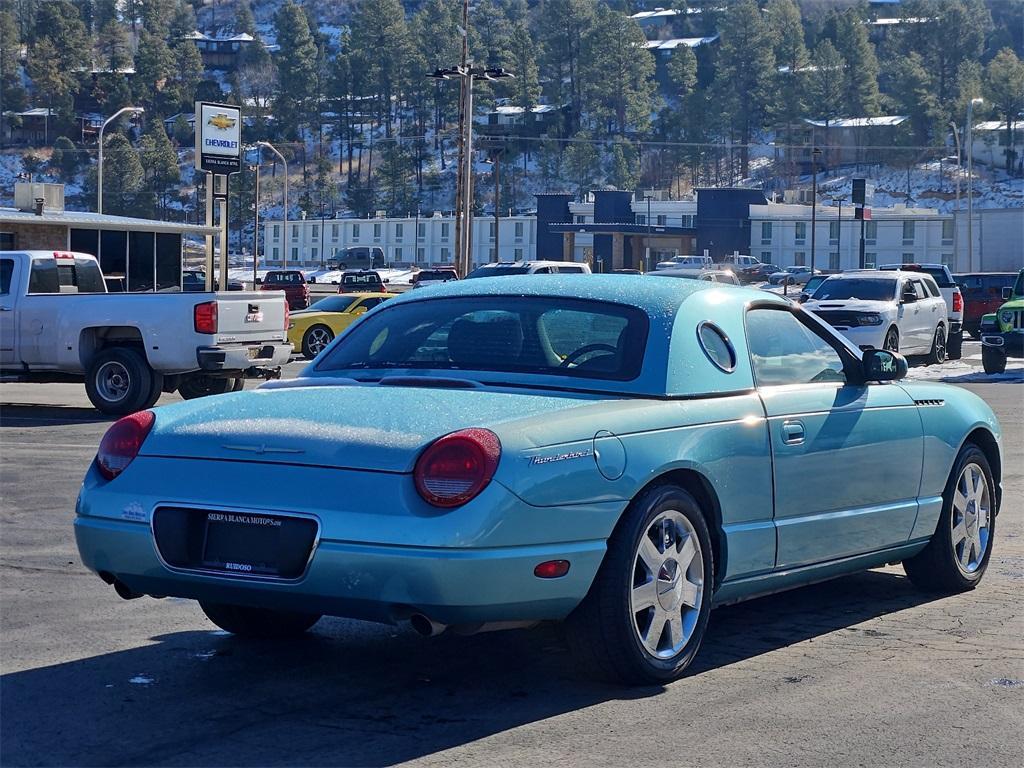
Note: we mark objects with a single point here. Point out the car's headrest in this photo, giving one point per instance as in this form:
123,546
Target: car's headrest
485,342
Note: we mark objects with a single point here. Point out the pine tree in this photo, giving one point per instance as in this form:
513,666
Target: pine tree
123,177
860,77
746,64
1004,88
60,53
114,46
53,85
65,158
791,57
581,162
296,69
186,77
561,28
617,72
379,25
183,22
623,171
160,161
12,94
526,88
825,83
157,15
914,90
682,71
154,64
244,21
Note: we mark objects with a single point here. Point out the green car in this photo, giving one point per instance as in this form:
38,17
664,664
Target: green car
1002,332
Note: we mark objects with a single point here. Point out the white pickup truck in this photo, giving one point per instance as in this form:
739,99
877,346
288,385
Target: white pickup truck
58,323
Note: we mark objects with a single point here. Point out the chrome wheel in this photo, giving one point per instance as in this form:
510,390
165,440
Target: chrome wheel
113,381
317,339
668,585
970,518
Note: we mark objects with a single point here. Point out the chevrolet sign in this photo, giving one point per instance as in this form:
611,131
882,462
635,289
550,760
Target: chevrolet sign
218,138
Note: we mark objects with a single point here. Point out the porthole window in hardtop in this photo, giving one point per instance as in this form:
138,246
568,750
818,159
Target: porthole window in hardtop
716,346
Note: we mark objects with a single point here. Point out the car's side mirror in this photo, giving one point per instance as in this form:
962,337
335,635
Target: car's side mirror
908,297
1007,292
883,365
358,310
803,297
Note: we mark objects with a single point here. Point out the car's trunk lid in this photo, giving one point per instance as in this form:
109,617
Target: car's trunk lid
249,316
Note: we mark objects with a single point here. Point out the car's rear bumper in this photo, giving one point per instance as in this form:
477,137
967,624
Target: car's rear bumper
242,357
375,582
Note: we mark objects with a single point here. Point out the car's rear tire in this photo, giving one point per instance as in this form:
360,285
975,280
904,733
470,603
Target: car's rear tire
954,346
959,551
315,340
937,354
119,381
644,617
892,340
993,360
195,385
245,621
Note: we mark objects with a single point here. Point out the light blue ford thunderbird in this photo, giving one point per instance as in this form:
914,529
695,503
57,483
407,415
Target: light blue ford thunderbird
619,452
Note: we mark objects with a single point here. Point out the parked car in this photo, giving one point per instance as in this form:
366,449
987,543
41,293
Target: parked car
810,287
1002,332
797,275
707,275
600,452
737,262
756,273
292,282
505,268
312,330
361,281
951,294
57,322
983,295
899,311
686,262
194,281
433,276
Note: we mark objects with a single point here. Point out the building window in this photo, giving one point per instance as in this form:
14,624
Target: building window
687,221
314,253
869,260
420,252
583,220
662,220
421,231
316,232
519,254
295,254
334,231
908,232
277,231
444,231
519,231
276,253
799,259
355,232
833,260
766,257
833,232
640,219
295,231
399,231
376,231
445,254
908,258
491,254
490,230
766,233
947,231
870,232
947,259
398,254
801,232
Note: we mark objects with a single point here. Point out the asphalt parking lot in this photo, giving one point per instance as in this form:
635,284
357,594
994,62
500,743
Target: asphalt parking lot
864,670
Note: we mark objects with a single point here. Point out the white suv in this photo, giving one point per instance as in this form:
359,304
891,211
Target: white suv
900,311
501,268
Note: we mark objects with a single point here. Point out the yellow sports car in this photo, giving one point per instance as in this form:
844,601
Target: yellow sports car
312,329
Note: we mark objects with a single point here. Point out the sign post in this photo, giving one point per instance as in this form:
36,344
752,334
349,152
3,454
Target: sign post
862,196
218,154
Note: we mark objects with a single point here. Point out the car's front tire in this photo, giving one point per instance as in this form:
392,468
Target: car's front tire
993,360
315,340
645,615
892,340
937,354
959,551
265,623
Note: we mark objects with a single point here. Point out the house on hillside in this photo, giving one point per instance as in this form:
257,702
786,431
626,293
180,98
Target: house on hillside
989,143
220,51
845,141
664,50
509,120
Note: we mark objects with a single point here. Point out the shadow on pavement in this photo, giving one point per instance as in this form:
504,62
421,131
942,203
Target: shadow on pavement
23,415
352,693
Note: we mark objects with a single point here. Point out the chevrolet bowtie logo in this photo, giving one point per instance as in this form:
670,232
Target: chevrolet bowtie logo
221,121
259,450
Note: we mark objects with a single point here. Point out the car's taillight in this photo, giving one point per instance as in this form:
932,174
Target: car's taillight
206,317
122,442
457,467
958,300
287,316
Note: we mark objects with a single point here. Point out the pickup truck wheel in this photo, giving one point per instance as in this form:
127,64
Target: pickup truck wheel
200,385
315,340
645,615
119,381
155,392
937,355
244,621
239,384
954,346
958,553
993,360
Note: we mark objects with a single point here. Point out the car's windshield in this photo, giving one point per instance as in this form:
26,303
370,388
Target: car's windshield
512,334
836,289
371,278
332,304
497,271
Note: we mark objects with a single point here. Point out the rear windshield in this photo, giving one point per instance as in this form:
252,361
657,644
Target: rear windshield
332,304
370,279
513,334
283,278
497,271
852,288
434,274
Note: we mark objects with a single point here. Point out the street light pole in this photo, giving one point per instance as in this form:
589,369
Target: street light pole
959,173
815,154
284,217
99,164
256,223
647,249
969,141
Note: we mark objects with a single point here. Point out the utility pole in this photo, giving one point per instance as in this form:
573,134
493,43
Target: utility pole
815,154
256,223
959,173
497,205
970,182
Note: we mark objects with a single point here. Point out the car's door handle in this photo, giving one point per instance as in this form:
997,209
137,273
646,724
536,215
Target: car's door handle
792,432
